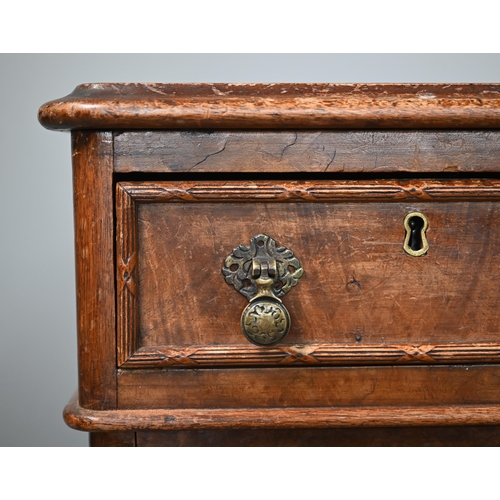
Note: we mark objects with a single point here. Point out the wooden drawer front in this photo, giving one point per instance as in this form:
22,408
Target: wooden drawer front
361,300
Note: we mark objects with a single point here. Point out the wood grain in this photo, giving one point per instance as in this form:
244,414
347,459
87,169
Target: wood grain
274,106
126,276
94,235
337,437
193,356
381,342
319,151
377,304
278,418
316,191
295,387
113,439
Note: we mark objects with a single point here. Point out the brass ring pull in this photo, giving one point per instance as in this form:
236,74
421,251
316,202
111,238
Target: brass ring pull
263,273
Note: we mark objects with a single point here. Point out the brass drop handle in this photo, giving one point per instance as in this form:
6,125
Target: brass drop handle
263,273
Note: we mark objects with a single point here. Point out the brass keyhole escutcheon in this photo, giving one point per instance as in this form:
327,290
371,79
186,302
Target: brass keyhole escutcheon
263,273
416,225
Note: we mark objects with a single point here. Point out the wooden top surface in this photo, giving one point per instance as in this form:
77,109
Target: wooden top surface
108,106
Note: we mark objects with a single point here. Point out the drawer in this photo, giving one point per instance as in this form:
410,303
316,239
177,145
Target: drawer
363,300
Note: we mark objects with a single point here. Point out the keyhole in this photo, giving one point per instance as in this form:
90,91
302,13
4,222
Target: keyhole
415,243
416,224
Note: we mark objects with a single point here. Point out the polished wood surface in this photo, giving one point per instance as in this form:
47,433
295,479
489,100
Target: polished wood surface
486,436
279,418
320,151
377,305
385,348
93,201
113,439
274,106
282,387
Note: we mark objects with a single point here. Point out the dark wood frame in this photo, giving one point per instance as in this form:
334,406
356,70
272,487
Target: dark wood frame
94,249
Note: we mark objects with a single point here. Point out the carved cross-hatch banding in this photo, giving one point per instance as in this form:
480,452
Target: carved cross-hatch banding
313,355
296,191
127,271
126,275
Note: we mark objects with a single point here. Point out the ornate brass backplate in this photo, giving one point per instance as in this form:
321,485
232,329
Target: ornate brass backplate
262,273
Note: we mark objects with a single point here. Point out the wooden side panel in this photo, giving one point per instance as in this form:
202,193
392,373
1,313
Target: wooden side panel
388,436
303,151
94,242
309,387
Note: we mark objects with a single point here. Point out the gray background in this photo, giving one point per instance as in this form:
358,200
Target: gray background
37,289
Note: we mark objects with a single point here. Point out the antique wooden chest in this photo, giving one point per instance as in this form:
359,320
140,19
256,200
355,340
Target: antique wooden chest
286,264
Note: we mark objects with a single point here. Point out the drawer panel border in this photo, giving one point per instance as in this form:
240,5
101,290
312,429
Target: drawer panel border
312,355
132,355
